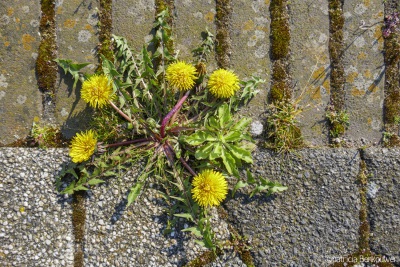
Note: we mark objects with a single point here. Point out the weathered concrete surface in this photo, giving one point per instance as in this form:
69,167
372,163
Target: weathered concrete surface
77,40
364,70
134,20
188,36
383,167
315,220
20,99
35,221
250,48
310,66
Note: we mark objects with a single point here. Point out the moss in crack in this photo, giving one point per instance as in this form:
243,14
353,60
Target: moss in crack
46,67
223,42
280,33
105,21
78,223
364,252
392,74
279,51
336,110
280,89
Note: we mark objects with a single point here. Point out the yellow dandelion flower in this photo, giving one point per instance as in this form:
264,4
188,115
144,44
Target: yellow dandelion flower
96,91
209,188
181,75
223,83
82,146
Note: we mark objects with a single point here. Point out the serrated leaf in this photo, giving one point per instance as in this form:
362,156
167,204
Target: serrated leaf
193,230
81,187
198,138
134,193
95,181
232,136
250,178
204,151
277,189
241,125
239,185
216,152
224,115
187,216
229,162
240,153
212,124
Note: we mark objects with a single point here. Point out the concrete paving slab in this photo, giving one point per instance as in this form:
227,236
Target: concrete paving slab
315,220
35,222
250,49
188,36
133,19
383,195
77,40
364,70
20,99
310,66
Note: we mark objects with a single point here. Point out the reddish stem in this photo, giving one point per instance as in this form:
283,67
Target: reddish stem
171,113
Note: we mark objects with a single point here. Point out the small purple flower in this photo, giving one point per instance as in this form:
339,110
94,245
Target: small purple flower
390,23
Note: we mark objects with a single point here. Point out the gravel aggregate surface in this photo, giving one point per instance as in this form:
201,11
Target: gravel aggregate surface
35,221
383,166
314,220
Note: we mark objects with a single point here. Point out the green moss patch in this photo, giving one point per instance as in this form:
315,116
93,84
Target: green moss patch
223,41
337,79
105,21
46,68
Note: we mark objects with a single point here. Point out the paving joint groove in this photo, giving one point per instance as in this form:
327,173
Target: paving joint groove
46,67
223,31
391,114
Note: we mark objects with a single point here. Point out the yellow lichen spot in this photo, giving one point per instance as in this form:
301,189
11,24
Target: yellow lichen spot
356,92
367,3
327,86
248,25
267,2
88,27
378,35
17,20
10,11
262,28
59,10
316,94
209,17
368,74
6,43
27,40
22,209
361,56
69,23
351,77
319,73
369,121
36,119
373,88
